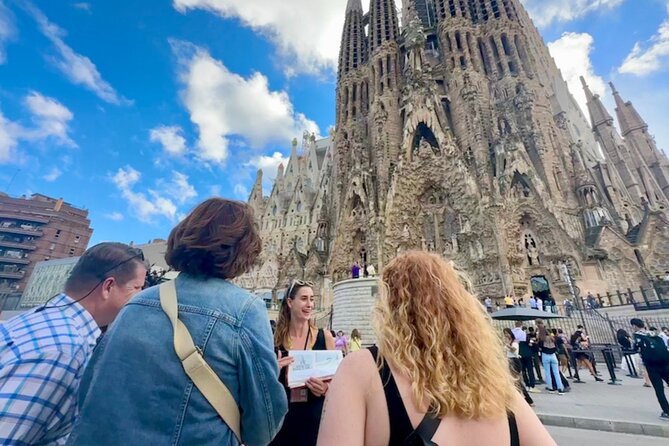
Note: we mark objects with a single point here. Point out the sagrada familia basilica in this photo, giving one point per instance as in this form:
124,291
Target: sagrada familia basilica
456,133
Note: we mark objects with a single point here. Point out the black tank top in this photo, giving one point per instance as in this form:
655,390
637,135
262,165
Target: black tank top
400,424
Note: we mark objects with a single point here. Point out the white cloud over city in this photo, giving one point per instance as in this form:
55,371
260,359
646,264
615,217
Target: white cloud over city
49,121
651,56
226,106
572,55
159,201
170,138
547,12
306,33
79,69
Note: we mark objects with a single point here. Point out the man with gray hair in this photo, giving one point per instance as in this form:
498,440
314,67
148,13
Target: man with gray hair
43,352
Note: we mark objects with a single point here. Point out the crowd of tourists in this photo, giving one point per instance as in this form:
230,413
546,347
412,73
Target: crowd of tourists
194,360
534,302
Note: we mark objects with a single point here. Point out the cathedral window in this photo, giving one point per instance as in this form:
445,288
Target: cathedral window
458,40
299,206
524,59
495,8
274,210
451,7
487,69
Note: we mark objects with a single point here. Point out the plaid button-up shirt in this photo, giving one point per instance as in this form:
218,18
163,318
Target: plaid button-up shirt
42,357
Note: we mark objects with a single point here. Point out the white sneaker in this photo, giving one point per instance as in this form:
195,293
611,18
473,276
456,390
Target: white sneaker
533,390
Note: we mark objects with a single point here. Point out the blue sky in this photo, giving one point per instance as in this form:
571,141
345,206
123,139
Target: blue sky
139,110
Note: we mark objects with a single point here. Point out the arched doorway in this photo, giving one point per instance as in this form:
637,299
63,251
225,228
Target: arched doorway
541,288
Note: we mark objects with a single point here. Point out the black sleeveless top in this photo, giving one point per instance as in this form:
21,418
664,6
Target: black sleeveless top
400,424
300,427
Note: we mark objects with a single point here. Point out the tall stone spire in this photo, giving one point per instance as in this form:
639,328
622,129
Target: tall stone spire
383,23
598,113
353,51
628,118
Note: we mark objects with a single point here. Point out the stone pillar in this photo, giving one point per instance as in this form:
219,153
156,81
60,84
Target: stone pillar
353,305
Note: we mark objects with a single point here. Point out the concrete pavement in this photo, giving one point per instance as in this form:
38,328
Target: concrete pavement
578,437
628,408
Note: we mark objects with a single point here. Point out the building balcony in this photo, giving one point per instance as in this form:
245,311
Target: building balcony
24,217
13,260
12,275
21,231
27,245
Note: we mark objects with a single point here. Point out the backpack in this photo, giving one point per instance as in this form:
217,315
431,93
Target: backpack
653,349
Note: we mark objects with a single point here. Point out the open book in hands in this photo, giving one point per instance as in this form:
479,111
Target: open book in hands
321,364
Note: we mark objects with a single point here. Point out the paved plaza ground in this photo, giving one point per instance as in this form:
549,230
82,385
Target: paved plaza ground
565,436
629,408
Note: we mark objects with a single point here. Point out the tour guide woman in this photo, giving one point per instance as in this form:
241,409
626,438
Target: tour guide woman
437,353
295,331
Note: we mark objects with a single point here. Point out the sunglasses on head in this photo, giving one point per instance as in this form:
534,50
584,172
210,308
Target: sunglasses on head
298,283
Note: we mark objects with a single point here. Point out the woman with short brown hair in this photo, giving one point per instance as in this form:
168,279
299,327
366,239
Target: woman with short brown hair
135,390
439,373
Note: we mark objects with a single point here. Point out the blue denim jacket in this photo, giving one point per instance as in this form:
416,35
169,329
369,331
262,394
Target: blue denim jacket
135,391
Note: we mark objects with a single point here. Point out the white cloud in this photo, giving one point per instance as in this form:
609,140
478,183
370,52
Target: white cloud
140,205
307,33
7,30
170,138
83,6
268,164
53,175
114,216
78,68
50,121
241,191
9,139
545,12
572,56
179,188
226,106
159,202
653,57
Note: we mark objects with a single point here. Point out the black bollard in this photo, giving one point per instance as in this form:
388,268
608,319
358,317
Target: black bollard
630,365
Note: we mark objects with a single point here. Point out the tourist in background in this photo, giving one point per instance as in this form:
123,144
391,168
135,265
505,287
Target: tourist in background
533,343
656,360
533,303
136,391
428,366
295,330
44,351
512,349
355,270
371,271
525,354
508,301
488,304
341,343
664,334
356,342
549,359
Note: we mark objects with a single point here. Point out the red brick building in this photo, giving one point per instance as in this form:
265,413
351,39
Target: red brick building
36,229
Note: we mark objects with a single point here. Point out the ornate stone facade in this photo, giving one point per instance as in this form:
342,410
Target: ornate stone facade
456,134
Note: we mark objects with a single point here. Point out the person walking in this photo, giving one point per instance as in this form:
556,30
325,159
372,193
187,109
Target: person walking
341,343
549,359
533,343
525,354
428,366
44,351
295,330
512,348
137,390
356,341
655,357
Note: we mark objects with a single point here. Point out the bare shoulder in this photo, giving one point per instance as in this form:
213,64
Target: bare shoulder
359,364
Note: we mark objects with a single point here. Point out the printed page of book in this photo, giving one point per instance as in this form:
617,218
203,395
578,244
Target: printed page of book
320,364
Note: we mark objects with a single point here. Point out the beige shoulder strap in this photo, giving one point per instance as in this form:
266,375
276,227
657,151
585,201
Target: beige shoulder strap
197,369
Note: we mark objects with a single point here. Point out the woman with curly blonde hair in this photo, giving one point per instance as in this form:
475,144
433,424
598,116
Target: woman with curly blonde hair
439,374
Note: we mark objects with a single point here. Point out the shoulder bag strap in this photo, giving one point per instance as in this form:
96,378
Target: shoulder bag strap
197,369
